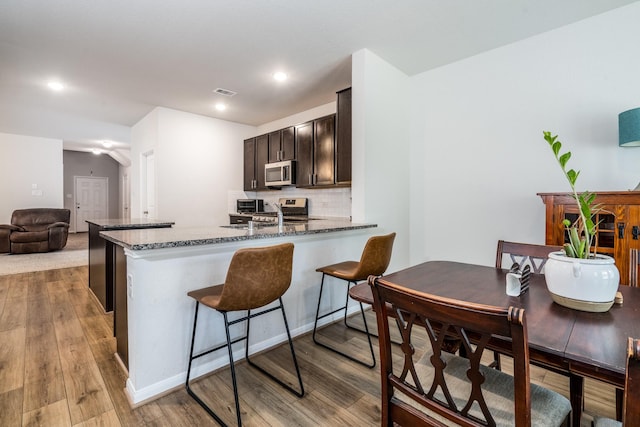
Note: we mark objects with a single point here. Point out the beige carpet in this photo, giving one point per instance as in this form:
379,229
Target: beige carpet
74,254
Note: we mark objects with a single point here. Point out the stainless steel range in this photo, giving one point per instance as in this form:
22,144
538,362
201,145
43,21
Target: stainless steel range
293,209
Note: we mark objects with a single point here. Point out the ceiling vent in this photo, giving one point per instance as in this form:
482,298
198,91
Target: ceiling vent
224,92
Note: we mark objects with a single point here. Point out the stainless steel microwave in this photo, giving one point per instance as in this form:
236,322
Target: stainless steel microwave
280,173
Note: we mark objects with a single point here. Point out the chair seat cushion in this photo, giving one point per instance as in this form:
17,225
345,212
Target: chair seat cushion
606,422
548,408
345,270
29,236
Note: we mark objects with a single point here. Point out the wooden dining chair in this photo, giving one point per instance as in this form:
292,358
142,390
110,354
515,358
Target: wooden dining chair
431,387
535,256
523,254
631,402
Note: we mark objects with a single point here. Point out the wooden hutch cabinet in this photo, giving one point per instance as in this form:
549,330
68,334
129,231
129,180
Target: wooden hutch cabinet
618,224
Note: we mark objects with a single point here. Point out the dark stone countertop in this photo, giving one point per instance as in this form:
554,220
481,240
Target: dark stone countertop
160,238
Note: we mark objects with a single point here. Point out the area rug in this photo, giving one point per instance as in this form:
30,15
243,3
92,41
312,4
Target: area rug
74,254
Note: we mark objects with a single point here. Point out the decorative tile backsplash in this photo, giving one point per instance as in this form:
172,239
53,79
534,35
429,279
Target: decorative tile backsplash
331,202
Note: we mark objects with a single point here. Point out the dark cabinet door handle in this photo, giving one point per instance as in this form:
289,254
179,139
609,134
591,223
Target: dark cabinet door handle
635,231
621,230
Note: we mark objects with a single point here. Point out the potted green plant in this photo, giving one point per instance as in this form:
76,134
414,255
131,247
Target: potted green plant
578,278
582,231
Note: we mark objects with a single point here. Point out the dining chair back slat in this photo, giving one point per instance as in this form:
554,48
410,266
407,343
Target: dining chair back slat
524,254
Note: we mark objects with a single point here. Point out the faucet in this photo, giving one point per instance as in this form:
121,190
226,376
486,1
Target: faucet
280,216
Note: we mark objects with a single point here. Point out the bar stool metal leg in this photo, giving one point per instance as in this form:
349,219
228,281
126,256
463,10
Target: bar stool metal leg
191,358
364,319
293,353
229,344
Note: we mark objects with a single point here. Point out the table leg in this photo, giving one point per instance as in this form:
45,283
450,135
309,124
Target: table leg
576,387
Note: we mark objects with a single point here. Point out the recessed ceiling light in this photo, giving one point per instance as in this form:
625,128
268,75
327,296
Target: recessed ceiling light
280,76
107,144
55,85
96,151
220,106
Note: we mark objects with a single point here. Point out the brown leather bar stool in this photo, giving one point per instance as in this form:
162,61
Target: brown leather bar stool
373,261
256,277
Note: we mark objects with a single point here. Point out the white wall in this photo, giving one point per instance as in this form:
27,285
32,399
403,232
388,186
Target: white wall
380,177
476,134
26,161
197,160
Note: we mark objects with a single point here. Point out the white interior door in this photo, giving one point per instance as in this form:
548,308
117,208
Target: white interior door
92,201
149,186
126,196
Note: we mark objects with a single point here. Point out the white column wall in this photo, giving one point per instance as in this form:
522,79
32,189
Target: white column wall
476,134
380,135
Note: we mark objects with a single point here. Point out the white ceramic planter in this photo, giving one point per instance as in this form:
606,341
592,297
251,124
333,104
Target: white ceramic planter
582,284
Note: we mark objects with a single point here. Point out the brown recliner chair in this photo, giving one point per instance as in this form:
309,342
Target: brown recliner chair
35,230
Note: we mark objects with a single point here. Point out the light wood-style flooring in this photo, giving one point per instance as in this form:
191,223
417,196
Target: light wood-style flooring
57,369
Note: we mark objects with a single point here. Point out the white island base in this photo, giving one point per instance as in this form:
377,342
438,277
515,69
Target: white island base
160,314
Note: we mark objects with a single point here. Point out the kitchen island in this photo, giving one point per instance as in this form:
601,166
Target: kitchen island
101,254
155,268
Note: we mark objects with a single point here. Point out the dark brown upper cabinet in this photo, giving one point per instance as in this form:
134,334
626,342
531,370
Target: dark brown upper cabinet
324,150
315,152
256,155
321,149
304,157
282,145
250,164
343,138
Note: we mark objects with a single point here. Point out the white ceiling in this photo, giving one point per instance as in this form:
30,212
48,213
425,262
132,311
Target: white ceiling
121,58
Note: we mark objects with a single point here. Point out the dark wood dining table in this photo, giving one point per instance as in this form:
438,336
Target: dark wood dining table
575,343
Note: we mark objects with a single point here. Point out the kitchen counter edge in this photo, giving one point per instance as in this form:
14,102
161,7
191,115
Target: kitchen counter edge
125,223
162,238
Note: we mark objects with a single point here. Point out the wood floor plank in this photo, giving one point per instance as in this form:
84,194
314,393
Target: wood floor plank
95,328
18,285
12,353
6,285
61,307
107,419
11,407
180,410
103,349
87,394
14,314
43,378
115,380
37,287
55,414
43,392
72,344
